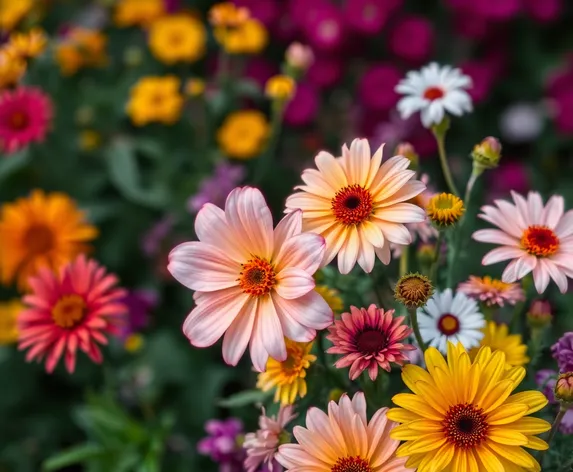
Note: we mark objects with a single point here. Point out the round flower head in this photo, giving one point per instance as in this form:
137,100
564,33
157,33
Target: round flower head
343,441
462,415
497,337
27,45
74,309
535,237
25,115
433,91
369,339
287,377
252,284
413,290
564,388
222,444
358,205
456,319
177,38
155,99
243,134
445,210
492,292
11,69
562,352
137,12
228,15
280,87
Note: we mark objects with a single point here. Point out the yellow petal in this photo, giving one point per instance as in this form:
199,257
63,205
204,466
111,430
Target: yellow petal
431,395
507,413
535,401
425,425
437,460
489,460
537,444
426,443
416,405
399,415
497,395
505,435
514,454
412,373
404,433
531,425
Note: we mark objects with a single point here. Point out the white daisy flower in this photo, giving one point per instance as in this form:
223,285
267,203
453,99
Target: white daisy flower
447,318
433,91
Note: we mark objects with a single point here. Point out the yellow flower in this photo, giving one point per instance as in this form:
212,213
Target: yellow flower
251,37
280,87
12,12
27,45
155,99
89,140
332,297
137,12
228,15
9,312
497,337
445,209
12,69
243,134
134,343
194,87
288,377
81,48
462,414
40,230
177,38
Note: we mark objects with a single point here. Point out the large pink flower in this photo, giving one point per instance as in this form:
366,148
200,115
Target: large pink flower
253,284
535,237
25,115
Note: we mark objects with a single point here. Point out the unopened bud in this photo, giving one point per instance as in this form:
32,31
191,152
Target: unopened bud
426,253
564,387
539,314
299,56
280,88
408,151
487,153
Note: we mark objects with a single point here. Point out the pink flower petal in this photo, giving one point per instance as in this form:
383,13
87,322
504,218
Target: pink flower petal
495,236
358,161
239,333
310,310
331,170
291,327
394,232
349,252
268,322
402,213
304,251
553,211
259,354
293,283
565,227
288,227
502,254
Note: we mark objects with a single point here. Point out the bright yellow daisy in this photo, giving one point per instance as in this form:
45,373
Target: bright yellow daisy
497,337
243,134
288,377
137,12
155,99
462,415
27,45
12,69
40,230
177,38
12,12
250,37
82,47
9,312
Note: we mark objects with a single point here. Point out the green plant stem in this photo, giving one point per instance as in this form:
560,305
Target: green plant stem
404,261
414,322
553,430
440,139
436,261
267,158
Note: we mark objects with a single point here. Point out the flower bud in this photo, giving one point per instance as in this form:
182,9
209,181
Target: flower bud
487,153
564,387
539,314
445,210
425,254
408,151
299,57
280,88
413,290
194,87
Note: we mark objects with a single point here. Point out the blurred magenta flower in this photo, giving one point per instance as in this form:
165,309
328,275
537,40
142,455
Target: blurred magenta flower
376,88
260,70
223,444
215,188
544,11
483,77
412,38
325,71
139,303
369,16
510,175
152,241
172,6
266,11
303,107
324,28
500,10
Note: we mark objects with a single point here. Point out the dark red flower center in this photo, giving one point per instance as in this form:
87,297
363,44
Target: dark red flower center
371,341
465,425
68,311
352,205
448,324
540,241
433,93
19,120
351,464
38,239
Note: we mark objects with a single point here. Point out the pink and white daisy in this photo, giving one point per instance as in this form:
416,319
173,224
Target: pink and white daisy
492,292
25,115
263,445
74,309
343,441
369,339
252,284
358,204
537,239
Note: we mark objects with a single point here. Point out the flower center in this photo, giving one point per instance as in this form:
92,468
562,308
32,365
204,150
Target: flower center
68,311
257,277
371,341
295,361
540,241
448,324
352,205
465,425
433,93
351,464
38,239
19,120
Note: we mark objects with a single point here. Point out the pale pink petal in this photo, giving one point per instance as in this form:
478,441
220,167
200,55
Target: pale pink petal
384,253
289,226
270,325
522,207
525,264
359,406
307,202
410,189
396,464
504,220
315,183
293,282
316,443
259,354
502,254
393,185
374,166
564,260
366,255
320,225
335,238
292,328
358,162
509,274
331,170
293,455
495,236
349,252
372,233
401,213
390,168
394,232
565,227
304,251
239,333
535,204
540,277
557,275
553,211
310,310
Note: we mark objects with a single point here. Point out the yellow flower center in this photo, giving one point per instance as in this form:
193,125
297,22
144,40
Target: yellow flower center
352,205
540,241
351,464
465,425
448,324
38,239
495,284
69,311
257,277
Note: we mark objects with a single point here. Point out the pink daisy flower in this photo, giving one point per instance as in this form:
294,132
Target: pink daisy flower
262,446
25,114
369,339
491,291
343,441
535,237
73,309
253,284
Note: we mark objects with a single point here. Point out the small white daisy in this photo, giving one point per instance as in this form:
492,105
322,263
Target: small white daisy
433,91
447,318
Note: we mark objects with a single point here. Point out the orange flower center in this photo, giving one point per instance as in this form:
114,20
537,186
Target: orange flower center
69,311
448,324
465,425
351,464
257,277
433,93
38,239
19,120
352,205
371,341
540,241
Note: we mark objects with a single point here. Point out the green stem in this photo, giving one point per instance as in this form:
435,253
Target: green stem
436,261
267,158
404,260
553,431
414,322
440,139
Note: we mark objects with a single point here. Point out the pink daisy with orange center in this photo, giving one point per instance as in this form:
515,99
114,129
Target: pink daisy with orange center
252,284
25,115
358,204
537,238
343,441
492,292
74,309
369,339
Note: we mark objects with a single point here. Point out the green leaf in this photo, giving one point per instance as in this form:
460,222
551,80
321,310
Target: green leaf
248,397
9,165
75,455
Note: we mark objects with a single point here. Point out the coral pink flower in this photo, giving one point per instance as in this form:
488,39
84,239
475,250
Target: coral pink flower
369,338
25,114
253,284
262,446
492,292
343,441
73,309
358,205
535,237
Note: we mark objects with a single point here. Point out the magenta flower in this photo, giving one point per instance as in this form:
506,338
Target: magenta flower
303,107
223,444
412,38
324,28
369,16
325,71
215,188
376,87
500,10
545,11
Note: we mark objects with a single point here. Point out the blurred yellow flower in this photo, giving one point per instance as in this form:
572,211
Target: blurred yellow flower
177,38
9,312
228,14
27,45
134,343
11,69
81,48
155,99
243,134
251,37
280,87
332,297
498,338
137,12
89,140
12,12
194,87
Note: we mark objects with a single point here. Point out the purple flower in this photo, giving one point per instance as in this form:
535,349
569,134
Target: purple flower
376,88
562,352
325,71
152,240
369,16
510,175
139,303
303,107
412,39
545,11
222,444
500,10
215,188
324,28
